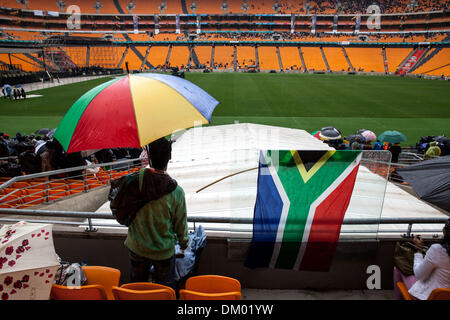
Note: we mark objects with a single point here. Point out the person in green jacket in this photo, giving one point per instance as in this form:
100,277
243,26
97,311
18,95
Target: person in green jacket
433,151
158,225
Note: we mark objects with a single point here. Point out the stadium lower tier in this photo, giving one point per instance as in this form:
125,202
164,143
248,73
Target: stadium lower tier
433,61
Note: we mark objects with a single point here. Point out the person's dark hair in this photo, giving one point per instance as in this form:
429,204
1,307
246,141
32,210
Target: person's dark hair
446,241
160,152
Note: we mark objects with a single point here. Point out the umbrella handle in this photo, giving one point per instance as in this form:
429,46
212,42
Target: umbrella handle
228,176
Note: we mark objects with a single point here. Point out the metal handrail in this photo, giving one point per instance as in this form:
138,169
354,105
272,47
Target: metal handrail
60,171
219,219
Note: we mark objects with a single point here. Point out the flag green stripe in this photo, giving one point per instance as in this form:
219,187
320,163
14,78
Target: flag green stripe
301,197
68,124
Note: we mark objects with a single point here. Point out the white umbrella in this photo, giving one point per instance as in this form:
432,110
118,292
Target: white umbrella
28,261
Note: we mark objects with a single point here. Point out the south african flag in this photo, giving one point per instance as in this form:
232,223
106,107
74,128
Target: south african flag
301,201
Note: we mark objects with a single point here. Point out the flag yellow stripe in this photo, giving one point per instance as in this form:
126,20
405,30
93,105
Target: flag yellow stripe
306,175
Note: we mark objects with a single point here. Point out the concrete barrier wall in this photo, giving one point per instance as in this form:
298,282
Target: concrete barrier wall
225,257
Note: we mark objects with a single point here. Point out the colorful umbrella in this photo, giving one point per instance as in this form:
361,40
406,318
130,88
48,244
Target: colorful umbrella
28,261
392,137
369,135
132,111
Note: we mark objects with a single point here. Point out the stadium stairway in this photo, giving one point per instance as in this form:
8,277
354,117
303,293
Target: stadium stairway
194,56
383,52
426,58
168,54
280,63
302,59
411,60
127,38
348,60
213,51
325,59
257,57
184,7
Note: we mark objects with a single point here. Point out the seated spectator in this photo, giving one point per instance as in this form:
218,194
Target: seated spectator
433,151
431,271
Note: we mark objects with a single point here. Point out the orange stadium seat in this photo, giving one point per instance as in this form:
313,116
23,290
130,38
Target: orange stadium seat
35,192
134,62
158,55
76,187
395,56
144,291
57,185
336,59
179,56
14,191
313,59
208,6
33,200
20,185
12,200
366,59
246,56
89,292
105,276
436,294
204,54
155,294
194,295
268,59
290,58
213,284
438,65
223,57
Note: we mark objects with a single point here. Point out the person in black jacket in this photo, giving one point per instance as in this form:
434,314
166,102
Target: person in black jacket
395,149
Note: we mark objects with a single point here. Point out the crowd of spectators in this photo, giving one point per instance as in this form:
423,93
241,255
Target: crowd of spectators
357,6
307,36
35,153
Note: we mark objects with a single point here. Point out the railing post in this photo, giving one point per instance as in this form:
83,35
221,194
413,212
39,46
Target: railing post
408,232
90,228
47,185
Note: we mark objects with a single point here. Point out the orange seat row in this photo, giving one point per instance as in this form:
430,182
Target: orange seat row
103,284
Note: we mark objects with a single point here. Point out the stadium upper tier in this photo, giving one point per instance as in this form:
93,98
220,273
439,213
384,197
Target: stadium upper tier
230,6
39,21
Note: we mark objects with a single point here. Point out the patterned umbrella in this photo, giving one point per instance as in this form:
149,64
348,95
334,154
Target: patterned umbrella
132,111
28,261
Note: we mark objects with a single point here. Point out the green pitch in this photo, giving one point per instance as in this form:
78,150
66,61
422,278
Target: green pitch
416,107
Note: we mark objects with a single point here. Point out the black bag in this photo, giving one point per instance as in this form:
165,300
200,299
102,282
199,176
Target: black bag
404,256
130,193
10,169
30,162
